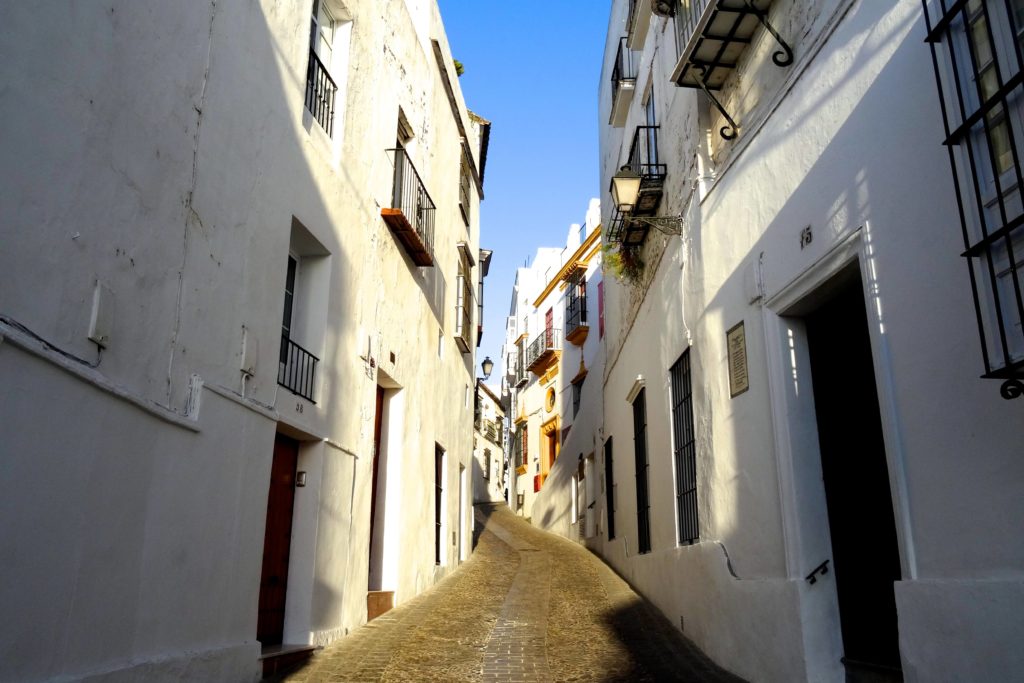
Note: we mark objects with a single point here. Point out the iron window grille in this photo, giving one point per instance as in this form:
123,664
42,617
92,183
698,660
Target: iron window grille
320,91
464,305
438,498
643,504
577,395
976,48
576,302
684,448
464,188
609,485
525,444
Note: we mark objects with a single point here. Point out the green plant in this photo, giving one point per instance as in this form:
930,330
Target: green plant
459,69
625,263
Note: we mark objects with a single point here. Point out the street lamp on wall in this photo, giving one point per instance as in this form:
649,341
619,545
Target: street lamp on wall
625,191
487,365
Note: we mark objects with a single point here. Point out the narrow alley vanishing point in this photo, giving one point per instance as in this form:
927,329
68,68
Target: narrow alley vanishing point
528,606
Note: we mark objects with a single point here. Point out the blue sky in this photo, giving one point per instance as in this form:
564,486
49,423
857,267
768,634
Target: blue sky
532,69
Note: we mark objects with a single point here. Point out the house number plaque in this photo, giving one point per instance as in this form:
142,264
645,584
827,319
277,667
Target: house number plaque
736,342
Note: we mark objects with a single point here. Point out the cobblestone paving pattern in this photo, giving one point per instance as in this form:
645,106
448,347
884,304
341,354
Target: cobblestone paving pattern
527,606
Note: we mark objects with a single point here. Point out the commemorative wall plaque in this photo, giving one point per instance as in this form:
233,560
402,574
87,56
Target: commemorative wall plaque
736,342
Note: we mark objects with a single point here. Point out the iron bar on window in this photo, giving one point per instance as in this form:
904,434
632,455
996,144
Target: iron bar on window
979,70
320,91
684,449
643,503
296,369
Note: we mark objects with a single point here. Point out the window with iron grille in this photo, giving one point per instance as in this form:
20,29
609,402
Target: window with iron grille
464,187
577,394
643,505
609,485
438,501
464,304
576,301
684,449
525,448
487,463
979,67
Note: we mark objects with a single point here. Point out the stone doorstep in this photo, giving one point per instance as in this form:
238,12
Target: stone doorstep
279,658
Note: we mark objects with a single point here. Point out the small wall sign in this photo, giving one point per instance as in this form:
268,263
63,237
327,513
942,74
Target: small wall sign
736,343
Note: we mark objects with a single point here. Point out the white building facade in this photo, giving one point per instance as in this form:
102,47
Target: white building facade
801,466
553,344
238,312
489,480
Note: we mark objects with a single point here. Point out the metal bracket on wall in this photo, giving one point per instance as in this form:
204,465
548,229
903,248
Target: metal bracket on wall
1011,389
820,570
783,57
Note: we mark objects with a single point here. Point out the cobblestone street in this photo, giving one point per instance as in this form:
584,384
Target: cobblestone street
528,606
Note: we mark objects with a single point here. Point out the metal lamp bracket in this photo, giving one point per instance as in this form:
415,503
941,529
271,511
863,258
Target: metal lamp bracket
669,225
1012,388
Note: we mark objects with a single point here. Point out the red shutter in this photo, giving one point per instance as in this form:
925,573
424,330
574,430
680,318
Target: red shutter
536,483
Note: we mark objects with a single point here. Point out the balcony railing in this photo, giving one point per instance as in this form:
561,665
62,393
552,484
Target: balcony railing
623,84
320,91
576,320
643,160
411,214
542,349
297,369
521,371
639,22
712,35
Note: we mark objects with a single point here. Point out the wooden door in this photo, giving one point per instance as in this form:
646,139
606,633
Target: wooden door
375,549
277,542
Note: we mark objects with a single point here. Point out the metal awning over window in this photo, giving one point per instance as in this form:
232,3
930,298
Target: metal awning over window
712,35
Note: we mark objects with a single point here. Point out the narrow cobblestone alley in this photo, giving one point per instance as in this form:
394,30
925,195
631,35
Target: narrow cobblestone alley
528,606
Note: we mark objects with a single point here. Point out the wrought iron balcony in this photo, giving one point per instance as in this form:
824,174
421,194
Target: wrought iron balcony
576,328
543,350
623,84
296,370
643,160
713,35
639,22
320,91
520,371
626,229
411,214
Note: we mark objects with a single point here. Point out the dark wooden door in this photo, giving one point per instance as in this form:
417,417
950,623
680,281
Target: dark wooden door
378,420
862,525
277,541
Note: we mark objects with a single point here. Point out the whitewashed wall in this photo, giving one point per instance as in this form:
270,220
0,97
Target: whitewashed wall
166,158
848,144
